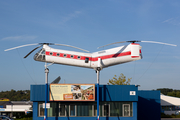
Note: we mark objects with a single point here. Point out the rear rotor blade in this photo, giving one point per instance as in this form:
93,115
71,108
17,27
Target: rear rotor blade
69,46
159,43
32,51
132,41
112,44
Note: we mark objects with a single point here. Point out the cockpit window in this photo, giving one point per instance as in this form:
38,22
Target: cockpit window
40,55
43,52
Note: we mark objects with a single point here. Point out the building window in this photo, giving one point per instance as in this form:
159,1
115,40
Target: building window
51,112
62,110
88,109
106,110
84,110
170,108
126,110
72,110
41,110
95,110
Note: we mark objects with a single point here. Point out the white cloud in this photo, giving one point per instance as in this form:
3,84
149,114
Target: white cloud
19,38
168,20
70,16
177,57
172,21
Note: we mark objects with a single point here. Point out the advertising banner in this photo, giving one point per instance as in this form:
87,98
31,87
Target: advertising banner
72,92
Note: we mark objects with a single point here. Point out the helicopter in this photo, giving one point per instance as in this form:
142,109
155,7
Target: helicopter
96,60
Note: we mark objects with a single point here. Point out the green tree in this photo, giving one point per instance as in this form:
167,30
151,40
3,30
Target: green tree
16,95
165,91
173,93
121,80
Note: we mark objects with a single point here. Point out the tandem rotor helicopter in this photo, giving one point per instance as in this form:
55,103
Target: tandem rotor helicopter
97,60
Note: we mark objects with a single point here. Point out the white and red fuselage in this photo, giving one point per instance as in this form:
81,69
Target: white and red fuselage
94,60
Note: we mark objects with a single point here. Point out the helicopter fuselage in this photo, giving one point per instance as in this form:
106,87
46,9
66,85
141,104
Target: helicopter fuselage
102,59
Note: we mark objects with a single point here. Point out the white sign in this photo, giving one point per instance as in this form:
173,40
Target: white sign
132,92
47,105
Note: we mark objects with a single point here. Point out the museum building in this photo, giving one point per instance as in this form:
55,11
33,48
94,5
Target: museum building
116,102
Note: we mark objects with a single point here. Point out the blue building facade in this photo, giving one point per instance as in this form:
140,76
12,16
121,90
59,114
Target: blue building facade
117,102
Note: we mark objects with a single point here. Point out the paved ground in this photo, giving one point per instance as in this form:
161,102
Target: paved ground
170,118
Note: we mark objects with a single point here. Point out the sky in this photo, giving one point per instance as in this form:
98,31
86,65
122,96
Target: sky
89,24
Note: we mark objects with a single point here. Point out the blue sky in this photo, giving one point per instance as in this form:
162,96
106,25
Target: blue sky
89,24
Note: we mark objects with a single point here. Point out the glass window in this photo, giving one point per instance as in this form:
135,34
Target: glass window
57,54
116,109
79,57
43,52
86,60
84,110
72,110
126,110
53,110
64,55
95,110
72,56
41,110
62,110
106,110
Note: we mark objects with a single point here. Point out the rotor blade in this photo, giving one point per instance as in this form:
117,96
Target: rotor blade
111,44
159,43
21,46
70,46
32,51
56,80
132,41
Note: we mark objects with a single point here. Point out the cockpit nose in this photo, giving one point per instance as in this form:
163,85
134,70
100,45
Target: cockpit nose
40,56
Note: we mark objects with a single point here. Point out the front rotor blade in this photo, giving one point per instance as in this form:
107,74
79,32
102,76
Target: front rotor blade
21,46
159,43
32,51
70,46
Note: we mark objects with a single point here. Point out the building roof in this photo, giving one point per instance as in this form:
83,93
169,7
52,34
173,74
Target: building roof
4,103
168,100
22,102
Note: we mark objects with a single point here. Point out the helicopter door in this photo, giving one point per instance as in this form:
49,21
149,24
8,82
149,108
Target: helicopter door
135,50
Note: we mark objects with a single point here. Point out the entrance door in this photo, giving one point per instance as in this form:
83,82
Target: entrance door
126,110
106,110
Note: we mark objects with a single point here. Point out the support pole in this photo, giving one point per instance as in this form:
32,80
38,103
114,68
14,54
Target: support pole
46,92
98,71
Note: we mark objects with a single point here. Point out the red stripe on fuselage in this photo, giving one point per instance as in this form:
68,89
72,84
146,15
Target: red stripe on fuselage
91,58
